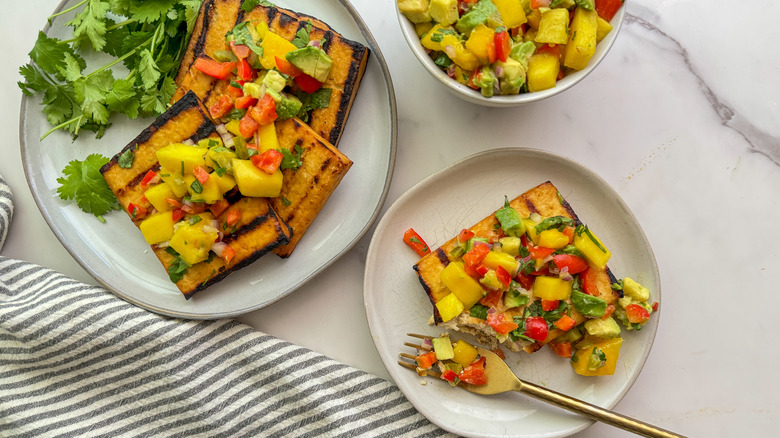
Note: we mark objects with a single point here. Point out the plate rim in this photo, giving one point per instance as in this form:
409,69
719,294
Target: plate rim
373,46
390,362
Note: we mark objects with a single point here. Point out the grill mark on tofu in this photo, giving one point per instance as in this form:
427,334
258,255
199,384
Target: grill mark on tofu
531,206
284,19
442,256
327,40
570,211
255,223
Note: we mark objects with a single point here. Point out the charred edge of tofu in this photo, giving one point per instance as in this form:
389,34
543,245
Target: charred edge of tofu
188,101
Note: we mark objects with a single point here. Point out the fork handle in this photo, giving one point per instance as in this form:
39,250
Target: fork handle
594,412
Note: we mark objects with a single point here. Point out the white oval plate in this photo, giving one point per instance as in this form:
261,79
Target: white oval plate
117,256
455,198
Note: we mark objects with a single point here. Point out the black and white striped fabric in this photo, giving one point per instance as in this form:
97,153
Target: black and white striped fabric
77,361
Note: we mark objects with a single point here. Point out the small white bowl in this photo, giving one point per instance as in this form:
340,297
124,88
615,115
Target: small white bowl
474,96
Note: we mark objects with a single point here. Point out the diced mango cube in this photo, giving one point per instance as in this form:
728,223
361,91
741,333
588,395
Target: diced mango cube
254,182
444,11
604,28
594,251
267,138
465,353
274,46
422,28
585,359
543,71
553,26
478,42
225,181
208,192
530,229
495,259
157,228
511,12
465,287
582,40
449,307
157,195
174,180
551,288
552,238
181,158
635,290
415,10
192,243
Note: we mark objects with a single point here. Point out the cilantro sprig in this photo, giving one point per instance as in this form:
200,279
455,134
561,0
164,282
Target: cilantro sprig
149,40
84,184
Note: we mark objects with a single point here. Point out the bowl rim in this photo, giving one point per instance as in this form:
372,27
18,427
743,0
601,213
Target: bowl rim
466,93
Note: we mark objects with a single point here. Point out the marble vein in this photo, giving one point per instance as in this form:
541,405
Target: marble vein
758,140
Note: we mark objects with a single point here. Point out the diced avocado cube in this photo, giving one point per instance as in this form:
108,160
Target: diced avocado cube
512,76
603,328
478,14
442,346
490,280
415,10
635,290
274,80
510,245
510,220
252,89
312,61
288,107
514,298
444,11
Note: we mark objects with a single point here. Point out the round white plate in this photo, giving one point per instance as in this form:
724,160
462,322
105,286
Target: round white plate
458,197
115,252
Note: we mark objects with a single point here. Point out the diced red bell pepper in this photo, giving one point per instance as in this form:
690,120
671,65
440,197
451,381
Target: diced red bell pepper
474,373
286,67
569,232
552,49
247,126
426,360
232,217
492,299
475,256
465,235
150,178
503,276
536,328
525,280
235,91
637,314
219,207
491,51
497,321
173,202
481,270
244,71
136,211
215,69
562,349
240,50
221,107
245,102
228,253
307,83
589,279
503,45
268,161
264,112
473,77
655,306
540,252
449,375
536,4
565,323
608,8
177,214
414,241
550,305
194,208
573,263
610,310
200,174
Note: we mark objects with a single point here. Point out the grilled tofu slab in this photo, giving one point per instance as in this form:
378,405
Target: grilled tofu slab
543,199
308,188
258,231
217,17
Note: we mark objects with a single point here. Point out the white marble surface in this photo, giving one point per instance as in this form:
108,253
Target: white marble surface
681,118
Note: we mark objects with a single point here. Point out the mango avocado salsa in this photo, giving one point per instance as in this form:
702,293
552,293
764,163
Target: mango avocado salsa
506,47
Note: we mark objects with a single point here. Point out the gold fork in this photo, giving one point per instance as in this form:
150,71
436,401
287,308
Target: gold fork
501,379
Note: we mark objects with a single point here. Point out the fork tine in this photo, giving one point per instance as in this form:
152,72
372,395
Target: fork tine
415,335
417,346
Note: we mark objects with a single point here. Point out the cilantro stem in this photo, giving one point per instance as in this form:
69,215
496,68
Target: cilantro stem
61,125
120,59
69,9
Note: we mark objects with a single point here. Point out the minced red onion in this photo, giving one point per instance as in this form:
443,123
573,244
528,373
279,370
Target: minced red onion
214,223
218,248
427,344
564,274
209,229
222,129
499,70
450,51
492,310
315,43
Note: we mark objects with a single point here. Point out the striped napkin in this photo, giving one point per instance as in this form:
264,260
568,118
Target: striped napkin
77,361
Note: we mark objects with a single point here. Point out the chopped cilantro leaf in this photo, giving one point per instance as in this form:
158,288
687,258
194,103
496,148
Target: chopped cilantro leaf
291,159
125,160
